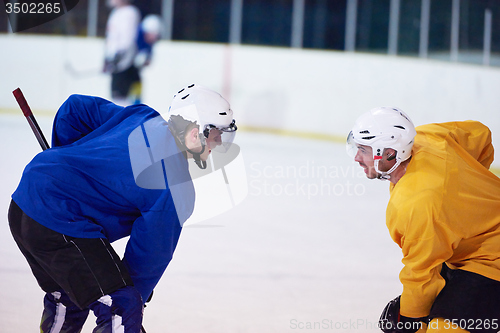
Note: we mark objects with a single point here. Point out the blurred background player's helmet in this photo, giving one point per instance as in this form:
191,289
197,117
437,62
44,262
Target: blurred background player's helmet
380,128
202,107
151,24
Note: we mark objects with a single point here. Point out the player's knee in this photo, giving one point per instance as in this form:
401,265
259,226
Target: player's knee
60,297
126,301
130,298
60,311
121,308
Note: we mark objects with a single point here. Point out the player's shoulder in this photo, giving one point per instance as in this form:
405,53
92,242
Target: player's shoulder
424,180
445,130
125,14
131,10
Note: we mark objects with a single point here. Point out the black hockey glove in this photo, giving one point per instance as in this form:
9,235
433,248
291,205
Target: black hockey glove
392,322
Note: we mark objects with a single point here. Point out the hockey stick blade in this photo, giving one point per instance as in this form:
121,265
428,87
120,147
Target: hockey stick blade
23,104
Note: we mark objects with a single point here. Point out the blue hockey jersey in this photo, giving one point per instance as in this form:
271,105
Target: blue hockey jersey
112,172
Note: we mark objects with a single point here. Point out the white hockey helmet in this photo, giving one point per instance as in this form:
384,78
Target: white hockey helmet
205,108
152,24
380,128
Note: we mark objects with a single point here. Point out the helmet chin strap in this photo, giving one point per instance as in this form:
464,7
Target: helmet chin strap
385,175
197,157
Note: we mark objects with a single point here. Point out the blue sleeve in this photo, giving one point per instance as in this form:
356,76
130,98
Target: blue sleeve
151,245
78,116
142,45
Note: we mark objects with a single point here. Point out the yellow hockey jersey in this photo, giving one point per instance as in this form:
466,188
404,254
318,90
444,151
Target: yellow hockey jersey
445,209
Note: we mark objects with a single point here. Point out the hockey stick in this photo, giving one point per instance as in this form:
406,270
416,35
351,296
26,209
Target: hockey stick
18,94
23,104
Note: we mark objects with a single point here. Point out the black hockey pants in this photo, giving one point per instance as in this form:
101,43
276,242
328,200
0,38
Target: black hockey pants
78,275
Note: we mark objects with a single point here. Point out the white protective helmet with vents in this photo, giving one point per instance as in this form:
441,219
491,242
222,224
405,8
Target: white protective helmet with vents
205,108
380,128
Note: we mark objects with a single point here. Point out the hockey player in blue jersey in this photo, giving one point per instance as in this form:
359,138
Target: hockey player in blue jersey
112,172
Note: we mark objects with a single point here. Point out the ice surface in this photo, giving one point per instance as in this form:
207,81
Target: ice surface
306,251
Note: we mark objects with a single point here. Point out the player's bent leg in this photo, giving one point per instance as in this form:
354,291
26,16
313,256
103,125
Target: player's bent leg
444,325
60,315
119,312
468,302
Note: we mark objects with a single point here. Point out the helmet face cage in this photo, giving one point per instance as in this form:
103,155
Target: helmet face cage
226,135
378,145
351,146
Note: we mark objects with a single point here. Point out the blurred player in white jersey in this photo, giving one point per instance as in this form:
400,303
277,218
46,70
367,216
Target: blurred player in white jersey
121,49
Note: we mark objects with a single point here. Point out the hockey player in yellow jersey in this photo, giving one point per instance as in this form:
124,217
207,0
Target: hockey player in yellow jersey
444,213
